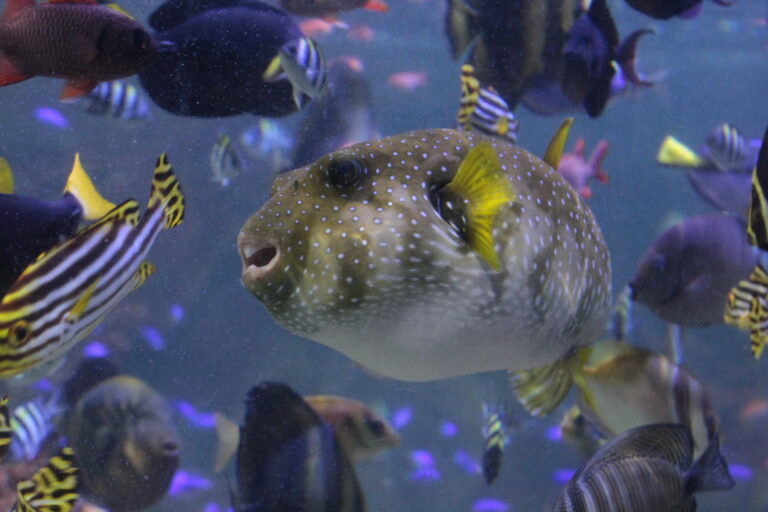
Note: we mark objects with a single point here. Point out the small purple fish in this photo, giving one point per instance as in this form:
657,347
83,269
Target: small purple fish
153,337
96,350
466,462
490,505
194,417
177,313
740,472
402,417
563,476
424,464
52,117
184,482
448,429
555,433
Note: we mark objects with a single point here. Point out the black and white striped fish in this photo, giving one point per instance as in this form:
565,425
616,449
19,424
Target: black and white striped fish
302,63
61,297
32,423
727,148
646,469
483,110
53,488
118,99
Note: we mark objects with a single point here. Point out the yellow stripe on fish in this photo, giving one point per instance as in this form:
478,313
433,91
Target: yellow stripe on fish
747,308
54,488
62,296
6,432
495,441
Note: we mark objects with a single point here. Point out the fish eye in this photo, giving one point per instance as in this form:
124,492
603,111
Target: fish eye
345,173
140,39
19,333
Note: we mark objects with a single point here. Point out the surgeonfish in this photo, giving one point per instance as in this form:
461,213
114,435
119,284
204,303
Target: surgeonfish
32,226
431,254
125,442
727,148
684,277
360,431
65,293
118,99
226,163
54,487
289,459
71,40
483,110
646,469
6,432
301,62
221,50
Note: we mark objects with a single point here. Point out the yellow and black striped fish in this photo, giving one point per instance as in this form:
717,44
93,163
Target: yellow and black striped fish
6,433
54,488
495,434
60,298
483,110
747,308
757,230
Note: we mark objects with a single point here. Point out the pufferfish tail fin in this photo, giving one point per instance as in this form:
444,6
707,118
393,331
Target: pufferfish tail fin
557,145
542,389
674,153
79,184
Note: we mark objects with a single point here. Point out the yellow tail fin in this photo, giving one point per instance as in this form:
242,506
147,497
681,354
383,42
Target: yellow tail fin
6,177
675,153
80,185
557,145
166,190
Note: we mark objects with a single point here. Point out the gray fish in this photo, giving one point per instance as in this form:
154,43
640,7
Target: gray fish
368,251
685,276
126,444
646,469
341,117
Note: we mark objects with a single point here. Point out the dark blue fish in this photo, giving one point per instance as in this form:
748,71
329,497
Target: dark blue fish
288,459
665,9
685,276
222,49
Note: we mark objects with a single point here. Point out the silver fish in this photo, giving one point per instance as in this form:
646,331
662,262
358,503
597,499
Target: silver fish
357,252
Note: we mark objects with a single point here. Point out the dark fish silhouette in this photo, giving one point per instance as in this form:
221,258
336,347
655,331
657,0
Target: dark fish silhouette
222,49
665,9
71,39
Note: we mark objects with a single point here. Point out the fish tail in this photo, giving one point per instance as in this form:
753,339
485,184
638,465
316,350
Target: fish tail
710,472
627,57
6,177
541,390
757,230
674,153
166,191
79,184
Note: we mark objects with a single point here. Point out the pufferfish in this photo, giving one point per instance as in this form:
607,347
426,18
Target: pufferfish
431,254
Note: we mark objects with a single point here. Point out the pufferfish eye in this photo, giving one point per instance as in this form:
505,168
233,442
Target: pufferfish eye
345,173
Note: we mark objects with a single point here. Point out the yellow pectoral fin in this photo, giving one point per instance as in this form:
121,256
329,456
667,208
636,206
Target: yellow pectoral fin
81,305
6,177
557,145
80,185
675,153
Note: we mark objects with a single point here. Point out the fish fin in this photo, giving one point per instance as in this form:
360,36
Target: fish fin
81,305
675,153
597,159
14,7
128,211
274,71
166,190
710,471
675,333
227,438
462,24
376,5
79,184
470,95
481,181
53,487
626,57
557,145
757,230
75,89
9,74
117,8
145,270
6,177
541,390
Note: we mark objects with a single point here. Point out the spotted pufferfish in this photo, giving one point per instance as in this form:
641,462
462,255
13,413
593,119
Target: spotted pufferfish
431,254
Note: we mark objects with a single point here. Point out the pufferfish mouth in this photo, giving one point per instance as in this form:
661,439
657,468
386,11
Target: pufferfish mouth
259,256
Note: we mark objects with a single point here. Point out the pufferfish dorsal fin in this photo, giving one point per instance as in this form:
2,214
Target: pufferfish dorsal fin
557,145
483,186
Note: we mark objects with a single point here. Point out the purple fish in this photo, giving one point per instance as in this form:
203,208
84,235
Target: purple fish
555,433
402,417
563,476
449,429
184,482
490,505
194,417
96,349
425,469
465,461
52,117
740,472
177,313
153,337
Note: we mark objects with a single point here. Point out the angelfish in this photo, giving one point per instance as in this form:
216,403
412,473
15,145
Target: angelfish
62,296
431,254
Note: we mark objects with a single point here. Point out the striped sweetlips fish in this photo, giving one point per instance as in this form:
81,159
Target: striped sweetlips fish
432,254
62,296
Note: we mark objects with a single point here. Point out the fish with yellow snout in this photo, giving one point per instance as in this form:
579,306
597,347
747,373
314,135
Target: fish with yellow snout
432,254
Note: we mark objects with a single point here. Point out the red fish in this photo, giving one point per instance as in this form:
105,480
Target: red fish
408,80
72,39
324,8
